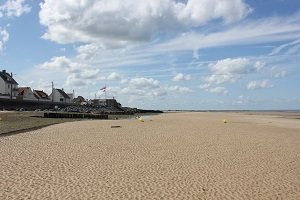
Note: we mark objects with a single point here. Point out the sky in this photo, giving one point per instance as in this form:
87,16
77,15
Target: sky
158,54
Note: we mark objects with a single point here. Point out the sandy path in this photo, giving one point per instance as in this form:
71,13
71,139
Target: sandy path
174,156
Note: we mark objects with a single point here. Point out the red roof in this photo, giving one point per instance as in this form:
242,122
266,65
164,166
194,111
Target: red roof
41,94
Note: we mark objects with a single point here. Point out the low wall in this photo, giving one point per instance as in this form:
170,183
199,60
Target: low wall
74,115
9,104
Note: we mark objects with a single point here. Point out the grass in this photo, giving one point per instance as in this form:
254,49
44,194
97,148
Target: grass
18,121
11,122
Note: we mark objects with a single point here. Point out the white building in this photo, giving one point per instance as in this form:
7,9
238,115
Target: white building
25,93
42,96
8,86
71,95
58,95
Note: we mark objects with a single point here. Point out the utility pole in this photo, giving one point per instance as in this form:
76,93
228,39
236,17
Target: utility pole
11,75
52,91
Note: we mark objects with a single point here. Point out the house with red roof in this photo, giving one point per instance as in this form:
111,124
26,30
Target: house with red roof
25,93
41,95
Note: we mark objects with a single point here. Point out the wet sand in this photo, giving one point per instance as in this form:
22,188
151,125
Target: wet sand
169,156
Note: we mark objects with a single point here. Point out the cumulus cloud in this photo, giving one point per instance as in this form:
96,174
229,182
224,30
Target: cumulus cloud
116,22
220,79
204,86
87,52
140,87
231,66
144,83
114,76
218,90
259,85
4,36
181,77
78,75
242,100
278,73
40,84
14,8
56,63
229,70
179,89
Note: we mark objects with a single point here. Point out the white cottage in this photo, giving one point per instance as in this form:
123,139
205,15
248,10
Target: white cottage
58,95
42,96
25,93
8,86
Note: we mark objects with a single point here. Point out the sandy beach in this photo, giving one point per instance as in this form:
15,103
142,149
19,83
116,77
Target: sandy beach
169,156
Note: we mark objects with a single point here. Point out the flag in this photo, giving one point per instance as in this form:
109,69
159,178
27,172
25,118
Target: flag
103,89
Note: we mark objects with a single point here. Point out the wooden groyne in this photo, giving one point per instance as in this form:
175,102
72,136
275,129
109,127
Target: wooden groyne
74,115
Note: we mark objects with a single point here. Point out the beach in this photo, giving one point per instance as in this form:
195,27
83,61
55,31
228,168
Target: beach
168,156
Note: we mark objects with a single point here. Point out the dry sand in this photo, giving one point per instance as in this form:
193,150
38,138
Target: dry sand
171,156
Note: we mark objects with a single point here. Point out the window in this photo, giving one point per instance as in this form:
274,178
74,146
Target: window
61,99
8,86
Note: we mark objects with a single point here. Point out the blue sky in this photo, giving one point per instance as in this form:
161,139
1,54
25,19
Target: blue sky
158,54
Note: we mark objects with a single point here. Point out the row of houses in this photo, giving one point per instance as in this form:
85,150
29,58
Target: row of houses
9,90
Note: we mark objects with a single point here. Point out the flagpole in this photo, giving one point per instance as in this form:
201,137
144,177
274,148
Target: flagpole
105,91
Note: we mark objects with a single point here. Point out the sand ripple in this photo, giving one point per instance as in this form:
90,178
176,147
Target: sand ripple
174,156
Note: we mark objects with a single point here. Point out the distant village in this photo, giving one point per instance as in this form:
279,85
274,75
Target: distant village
10,90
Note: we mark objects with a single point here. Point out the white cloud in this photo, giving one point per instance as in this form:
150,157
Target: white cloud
291,47
259,85
179,89
115,23
87,52
294,50
243,100
251,32
77,74
114,76
14,8
229,70
259,31
4,36
181,77
40,84
278,73
140,87
218,90
231,66
258,65
204,86
57,63
144,83
220,79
